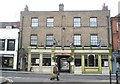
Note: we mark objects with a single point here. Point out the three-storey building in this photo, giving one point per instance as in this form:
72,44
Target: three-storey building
78,41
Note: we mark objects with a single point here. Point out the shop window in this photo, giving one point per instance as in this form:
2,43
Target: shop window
77,59
35,59
7,62
104,60
91,60
11,45
46,60
2,44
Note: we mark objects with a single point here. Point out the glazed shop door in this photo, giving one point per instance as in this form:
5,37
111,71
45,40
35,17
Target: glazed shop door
63,64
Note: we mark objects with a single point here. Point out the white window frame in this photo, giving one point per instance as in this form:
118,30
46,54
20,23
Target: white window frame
49,39
93,22
34,22
77,40
93,39
50,22
77,22
33,39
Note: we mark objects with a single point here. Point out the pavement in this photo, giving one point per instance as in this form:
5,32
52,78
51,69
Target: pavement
61,74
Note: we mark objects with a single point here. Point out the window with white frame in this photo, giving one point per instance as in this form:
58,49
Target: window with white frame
77,21
34,22
11,44
33,39
50,22
77,40
49,39
94,39
2,44
93,22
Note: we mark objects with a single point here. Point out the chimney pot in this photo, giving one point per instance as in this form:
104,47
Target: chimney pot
61,7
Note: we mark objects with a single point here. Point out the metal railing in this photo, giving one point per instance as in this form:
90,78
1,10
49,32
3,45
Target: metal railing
117,77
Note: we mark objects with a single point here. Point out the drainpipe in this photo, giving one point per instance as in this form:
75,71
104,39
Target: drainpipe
108,19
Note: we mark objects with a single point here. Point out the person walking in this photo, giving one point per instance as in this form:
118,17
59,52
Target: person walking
55,73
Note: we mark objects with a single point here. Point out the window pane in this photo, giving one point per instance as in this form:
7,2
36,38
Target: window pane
77,22
93,22
35,59
34,22
7,62
11,44
77,40
104,60
93,39
46,60
77,60
49,40
2,44
33,40
50,22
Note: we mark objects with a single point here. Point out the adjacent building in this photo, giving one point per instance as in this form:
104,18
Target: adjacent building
115,24
78,41
9,36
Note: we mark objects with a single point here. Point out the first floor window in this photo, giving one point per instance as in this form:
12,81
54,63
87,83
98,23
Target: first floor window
2,44
33,39
11,45
94,39
49,40
77,40
46,60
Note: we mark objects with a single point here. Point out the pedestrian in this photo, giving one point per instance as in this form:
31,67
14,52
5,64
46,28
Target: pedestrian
55,73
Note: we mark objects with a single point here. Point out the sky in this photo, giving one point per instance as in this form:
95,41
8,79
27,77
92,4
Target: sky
10,9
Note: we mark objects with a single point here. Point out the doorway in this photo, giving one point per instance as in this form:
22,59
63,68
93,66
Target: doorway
63,64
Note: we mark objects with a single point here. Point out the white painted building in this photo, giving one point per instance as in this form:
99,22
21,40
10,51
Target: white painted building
9,47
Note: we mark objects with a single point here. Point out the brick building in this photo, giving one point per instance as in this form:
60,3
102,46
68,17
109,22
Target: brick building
78,41
115,24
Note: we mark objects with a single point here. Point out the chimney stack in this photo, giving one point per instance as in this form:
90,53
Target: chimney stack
61,7
105,7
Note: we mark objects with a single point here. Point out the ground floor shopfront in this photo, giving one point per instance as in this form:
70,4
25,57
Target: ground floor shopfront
8,61
70,60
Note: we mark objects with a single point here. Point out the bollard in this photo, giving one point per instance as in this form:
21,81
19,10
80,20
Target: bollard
110,78
116,77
